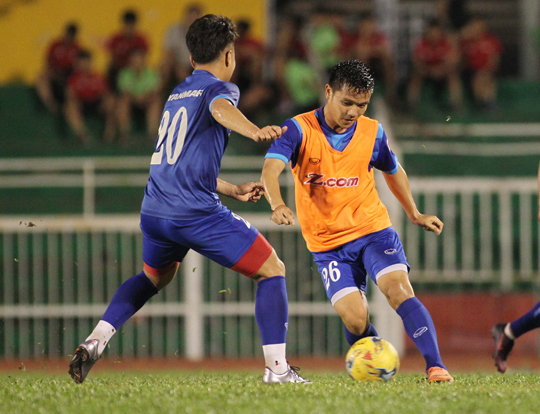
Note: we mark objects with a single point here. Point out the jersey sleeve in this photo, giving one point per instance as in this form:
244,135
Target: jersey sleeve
383,157
226,90
287,147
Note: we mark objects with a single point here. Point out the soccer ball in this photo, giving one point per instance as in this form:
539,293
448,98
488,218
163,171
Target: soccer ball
372,359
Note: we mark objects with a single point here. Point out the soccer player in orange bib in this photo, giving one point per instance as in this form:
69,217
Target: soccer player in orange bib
333,151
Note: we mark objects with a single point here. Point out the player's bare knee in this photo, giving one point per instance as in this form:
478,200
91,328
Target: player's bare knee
397,293
272,267
357,325
396,287
163,280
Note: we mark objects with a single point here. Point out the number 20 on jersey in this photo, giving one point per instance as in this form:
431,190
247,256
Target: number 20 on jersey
174,137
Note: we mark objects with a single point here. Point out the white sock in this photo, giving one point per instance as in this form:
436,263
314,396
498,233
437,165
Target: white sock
103,332
508,332
274,358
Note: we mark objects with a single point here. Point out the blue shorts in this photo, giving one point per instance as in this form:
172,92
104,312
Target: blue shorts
344,269
223,237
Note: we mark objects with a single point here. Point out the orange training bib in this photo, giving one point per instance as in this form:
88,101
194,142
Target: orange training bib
336,199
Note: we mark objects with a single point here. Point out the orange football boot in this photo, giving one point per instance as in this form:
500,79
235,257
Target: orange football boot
438,374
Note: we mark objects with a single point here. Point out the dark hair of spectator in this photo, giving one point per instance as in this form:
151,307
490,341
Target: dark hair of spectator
84,54
243,27
434,23
351,75
324,9
477,18
208,36
194,8
368,16
129,17
71,29
298,21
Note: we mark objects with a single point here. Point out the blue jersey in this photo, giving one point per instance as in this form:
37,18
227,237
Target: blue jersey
287,147
185,165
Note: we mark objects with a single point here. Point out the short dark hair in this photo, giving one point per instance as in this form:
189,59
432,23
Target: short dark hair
84,54
434,24
208,36
71,29
194,8
129,17
243,26
351,75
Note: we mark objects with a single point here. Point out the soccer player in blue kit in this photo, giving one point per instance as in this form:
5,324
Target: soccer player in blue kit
182,211
505,334
333,151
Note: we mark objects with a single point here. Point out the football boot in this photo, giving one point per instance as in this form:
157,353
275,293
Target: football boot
503,346
438,374
86,355
291,375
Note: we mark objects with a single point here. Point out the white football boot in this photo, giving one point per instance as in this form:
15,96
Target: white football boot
86,355
291,375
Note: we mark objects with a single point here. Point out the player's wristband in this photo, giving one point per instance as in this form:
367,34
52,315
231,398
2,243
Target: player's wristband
281,205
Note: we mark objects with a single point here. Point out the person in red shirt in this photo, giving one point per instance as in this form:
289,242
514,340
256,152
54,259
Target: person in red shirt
121,46
373,48
435,59
257,94
481,54
87,93
60,61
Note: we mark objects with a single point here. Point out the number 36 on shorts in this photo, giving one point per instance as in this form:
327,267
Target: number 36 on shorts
330,274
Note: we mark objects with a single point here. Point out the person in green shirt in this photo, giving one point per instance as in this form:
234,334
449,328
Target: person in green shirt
139,88
302,83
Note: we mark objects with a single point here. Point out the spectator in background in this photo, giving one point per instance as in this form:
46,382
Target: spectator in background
303,83
373,48
290,43
176,66
138,87
87,93
249,58
60,61
453,14
298,80
122,44
324,41
481,53
435,59
248,76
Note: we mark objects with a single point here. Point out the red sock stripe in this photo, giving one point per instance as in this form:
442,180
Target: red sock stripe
254,258
161,271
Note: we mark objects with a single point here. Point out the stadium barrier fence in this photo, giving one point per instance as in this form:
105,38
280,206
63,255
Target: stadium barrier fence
57,274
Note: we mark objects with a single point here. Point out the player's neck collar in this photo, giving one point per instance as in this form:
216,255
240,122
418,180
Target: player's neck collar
319,113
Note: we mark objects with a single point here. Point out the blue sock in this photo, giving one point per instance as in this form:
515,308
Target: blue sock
128,299
352,338
527,322
420,328
272,310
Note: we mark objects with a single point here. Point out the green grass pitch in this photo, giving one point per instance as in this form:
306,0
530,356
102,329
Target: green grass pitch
218,392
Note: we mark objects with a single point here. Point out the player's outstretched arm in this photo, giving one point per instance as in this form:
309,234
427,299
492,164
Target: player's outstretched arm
399,185
281,214
244,192
230,117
